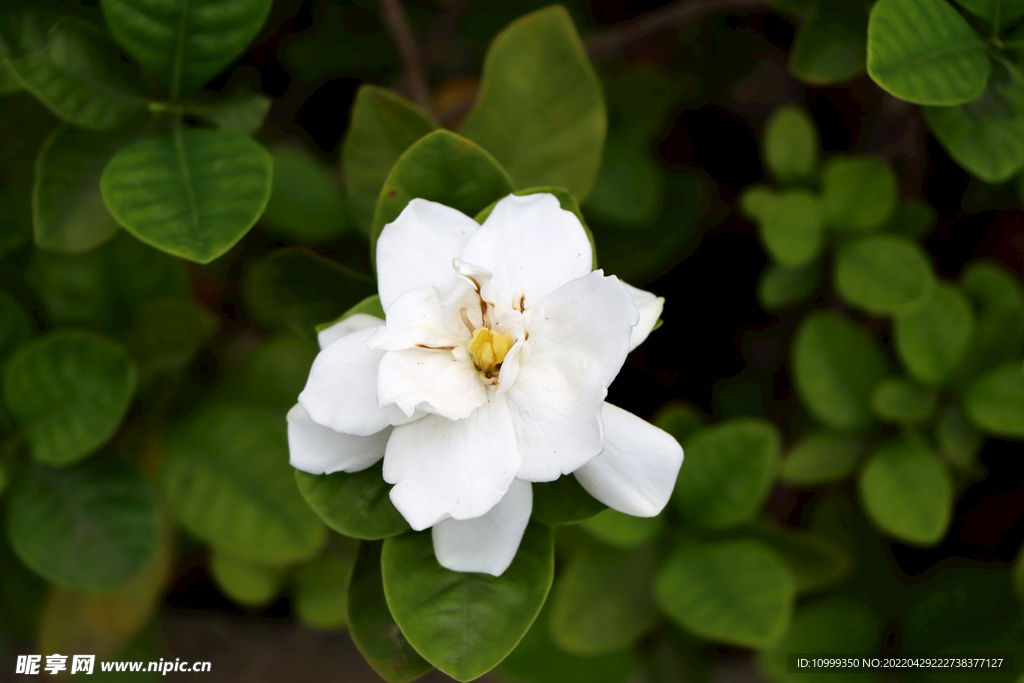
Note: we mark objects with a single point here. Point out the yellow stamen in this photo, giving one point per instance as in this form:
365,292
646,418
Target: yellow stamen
488,348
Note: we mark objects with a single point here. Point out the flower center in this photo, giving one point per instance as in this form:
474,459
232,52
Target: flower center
487,349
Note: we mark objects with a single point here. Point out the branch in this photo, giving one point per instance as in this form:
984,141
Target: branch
397,23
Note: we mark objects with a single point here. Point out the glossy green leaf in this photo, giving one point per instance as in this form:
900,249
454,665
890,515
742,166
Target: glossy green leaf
998,14
15,326
465,623
166,334
382,126
243,111
998,300
602,601
226,479
563,501
816,562
321,592
830,45
184,42
995,401
192,193
620,530
68,213
371,625
820,458
737,591
959,442
791,227
729,472
931,341
370,306
245,583
791,144
779,287
925,52
836,366
899,400
90,527
858,193
884,275
305,200
355,504
69,391
906,491
443,168
540,111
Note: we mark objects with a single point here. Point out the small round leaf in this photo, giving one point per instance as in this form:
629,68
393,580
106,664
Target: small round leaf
995,401
859,193
791,144
884,275
932,340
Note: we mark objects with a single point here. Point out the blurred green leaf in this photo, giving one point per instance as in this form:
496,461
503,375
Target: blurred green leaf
906,491
226,479
859,193
999,306
780,287
914,218
995,401
959,442
816,562
925,52
1017,575
184,43
884,275
370,306
996,13
630,186
22,596
74,288
273,374
465,623
791,143
899,400
678,419
820,458
790,225
321,592
193,193
836,366
736,591
563,501
69,391
830,44
621,530
729,472
15,326
245,583
540,111
931,341
305,200
242,111
383,125
166,334
355,504
90,527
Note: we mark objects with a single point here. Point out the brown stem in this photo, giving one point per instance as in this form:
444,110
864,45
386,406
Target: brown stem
397,23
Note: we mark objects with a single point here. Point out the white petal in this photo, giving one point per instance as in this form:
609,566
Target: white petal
455,469
341,392
434,381
530,242
637,470
650,307
455,294
487,543
353,323
593,314
510,366
417,249
317,449
415,318
556,410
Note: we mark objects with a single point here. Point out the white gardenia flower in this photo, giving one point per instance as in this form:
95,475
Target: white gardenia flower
489,373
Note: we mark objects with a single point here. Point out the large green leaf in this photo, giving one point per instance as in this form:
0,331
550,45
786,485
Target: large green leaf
816,562
226,479
305,200
907,492
925,52
15,326
540,111
69,391
382,126
729,472
444,168
90,527
836,365
184,42
830,44
884,275
791,144
563,501
355,504
72,68
858,193
321,591
166,334
736,591
932,340
74,289
68,213
244,111
465,623
821,457
995,401
371,625
273,374
192,193
998,14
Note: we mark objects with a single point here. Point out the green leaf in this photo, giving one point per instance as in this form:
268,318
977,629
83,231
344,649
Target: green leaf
931,341
563,501
193,193
465,623
995,401
899,400
226,479
371,625
884,275
444,168
243,111
540,111
90,527
382,126
986,136
621,530
602,601
305,200
821,458
998,14
245,583
370,306
729,472
791,144
791,227
959,442
836,366
73,68
355,504
184,42
74,288
999,306
273,374
925,52
69,391
816,562
858,193
1018,575
914,218
15,326
906,491
166,334
779,287
68,213
678,419
321,592
830,45
737,591
630,186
